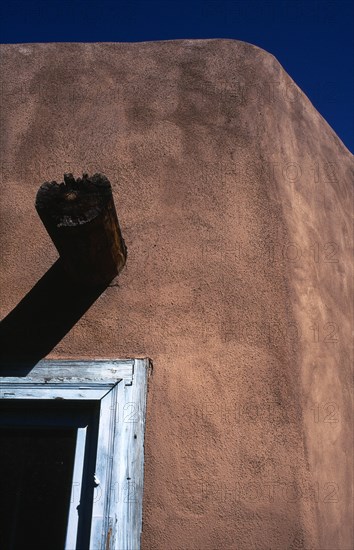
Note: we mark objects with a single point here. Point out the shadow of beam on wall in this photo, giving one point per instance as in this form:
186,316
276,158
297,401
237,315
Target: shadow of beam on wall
42,318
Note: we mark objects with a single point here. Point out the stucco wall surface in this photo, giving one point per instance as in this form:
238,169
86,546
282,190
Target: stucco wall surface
235,199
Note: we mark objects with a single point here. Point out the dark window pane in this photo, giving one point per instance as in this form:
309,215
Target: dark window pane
36,466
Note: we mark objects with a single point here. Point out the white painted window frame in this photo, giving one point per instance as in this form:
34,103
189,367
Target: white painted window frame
120,386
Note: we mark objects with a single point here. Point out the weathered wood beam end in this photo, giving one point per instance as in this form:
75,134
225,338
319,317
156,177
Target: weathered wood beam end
81,219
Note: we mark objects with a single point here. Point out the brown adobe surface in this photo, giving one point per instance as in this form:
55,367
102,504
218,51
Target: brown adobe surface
234,198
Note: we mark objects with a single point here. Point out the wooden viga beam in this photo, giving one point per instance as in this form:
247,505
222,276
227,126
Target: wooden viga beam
81,219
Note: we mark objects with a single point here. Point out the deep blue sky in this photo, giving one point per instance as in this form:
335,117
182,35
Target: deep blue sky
312,39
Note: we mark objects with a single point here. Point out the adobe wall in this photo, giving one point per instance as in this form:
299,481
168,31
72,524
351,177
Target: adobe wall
234,198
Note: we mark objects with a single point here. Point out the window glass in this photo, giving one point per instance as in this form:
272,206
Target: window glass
36,466
38,449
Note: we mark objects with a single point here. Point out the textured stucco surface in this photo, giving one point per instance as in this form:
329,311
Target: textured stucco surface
234,198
